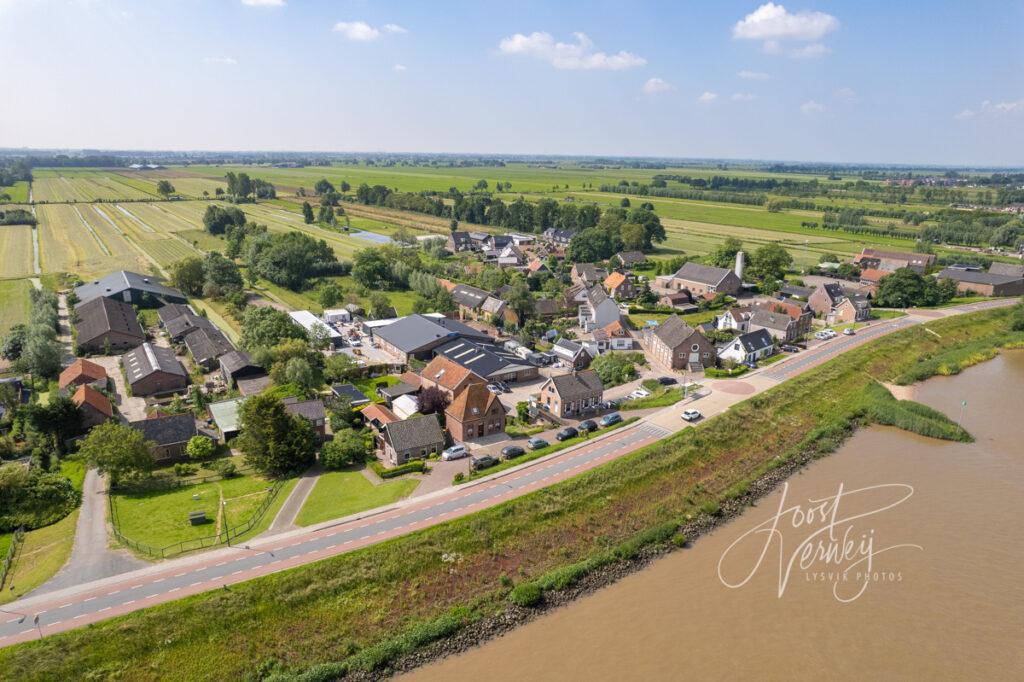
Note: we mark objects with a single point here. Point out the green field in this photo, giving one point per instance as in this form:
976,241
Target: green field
15,250
73,239
14,303
340,493
18,192
40,556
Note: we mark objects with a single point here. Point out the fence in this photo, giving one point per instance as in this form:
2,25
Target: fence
19,536
195,543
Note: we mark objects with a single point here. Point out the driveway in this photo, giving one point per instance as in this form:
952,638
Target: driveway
132,409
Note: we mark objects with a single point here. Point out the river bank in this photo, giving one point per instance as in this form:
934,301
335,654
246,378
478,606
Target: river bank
944,606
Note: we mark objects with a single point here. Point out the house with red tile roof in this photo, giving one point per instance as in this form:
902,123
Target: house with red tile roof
95,406
81,372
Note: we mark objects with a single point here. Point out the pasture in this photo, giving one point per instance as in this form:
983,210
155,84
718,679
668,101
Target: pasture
14,303
71,239
16,193
15,251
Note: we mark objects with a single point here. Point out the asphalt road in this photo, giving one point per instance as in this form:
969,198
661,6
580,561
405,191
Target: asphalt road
100,599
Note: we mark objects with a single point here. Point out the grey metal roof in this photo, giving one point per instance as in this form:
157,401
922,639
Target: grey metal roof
207,344
416,433
1006,269
178,428
704,274
673,331
349,391
414,333
578,385
142,361
483,360
570,347
468,296
975,277
173,310
235,361
102,315
117,282
631,257
395,390
797,291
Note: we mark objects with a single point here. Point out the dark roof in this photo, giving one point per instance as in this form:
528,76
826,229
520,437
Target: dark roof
461,238
173,310
631,257
596,296
578,385
977,277
766,318
797,291
142,361
547,306
102,315
171,430
483,360
569,346
312,410
500,240
395,390
207,344
418,432
414,333
835,292
349,391
118,282
704,274
1006,269
468,296
557,234
673,331
755,341
181,325
236,361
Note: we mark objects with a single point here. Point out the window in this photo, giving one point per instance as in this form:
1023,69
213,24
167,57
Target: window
695,347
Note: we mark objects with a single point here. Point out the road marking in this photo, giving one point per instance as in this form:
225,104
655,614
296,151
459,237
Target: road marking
111,594
64,606
198,582
130,601
173,589
178,575
220,564
105,608
81,615
89,599
159,581
236,572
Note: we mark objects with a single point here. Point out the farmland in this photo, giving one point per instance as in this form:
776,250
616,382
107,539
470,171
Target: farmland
15,297
15,251
72,240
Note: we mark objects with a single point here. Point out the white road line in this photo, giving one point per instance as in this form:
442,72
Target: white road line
130,601
89,599
173,589
105,608
111,594
236,572
198,582
178,575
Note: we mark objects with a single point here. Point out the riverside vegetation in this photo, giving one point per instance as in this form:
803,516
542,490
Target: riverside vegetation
363,611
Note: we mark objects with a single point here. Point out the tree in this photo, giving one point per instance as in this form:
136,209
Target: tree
591,245
347,448
58,420
264,327
1017,318
371,269
217,219
523,411
299,372
116,449
188,275
323,186
614,368
221,276
330,294
200,447
633,236
519,299
307,213
905,288
725,255
42,352
273,441
14,342
164,188
345,186
432,400
326,215
768,263
380,306
339,367
480,184
341,413
625,202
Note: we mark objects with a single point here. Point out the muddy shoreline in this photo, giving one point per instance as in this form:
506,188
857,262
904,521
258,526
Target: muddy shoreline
513,616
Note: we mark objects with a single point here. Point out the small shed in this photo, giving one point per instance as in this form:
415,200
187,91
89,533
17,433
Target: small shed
405,406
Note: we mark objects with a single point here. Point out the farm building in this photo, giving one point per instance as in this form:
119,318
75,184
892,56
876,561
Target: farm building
984,283
179,327
82,372
707,281
355,396
418,335
94,406
206,347
236,365
315,326
414,438
105,324
225,416
167,436
153,370
490,362
129,287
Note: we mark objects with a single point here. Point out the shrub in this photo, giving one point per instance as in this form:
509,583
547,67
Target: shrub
526,594
417,465
711,508
182,469
200,447
226,468
459,477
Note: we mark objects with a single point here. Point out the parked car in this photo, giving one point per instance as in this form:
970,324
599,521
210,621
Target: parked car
825,335
691,415
537,443
587,425
789,348
667,381
454,452
355,343
609,419
510,451
482,462
566,433
849,331
609,405
750,364
639,393
494,388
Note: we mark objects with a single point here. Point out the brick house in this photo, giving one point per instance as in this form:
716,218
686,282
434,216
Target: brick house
81,372
415,438
104,323
706,280
448,376
619,286
474,413
676,344
94,406
571,395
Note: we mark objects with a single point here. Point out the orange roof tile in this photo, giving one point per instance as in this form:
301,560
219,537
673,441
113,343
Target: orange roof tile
81,370
445,373
379,412
87,395
873,275
472,402
613,280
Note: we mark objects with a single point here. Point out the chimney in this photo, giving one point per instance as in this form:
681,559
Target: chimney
739,265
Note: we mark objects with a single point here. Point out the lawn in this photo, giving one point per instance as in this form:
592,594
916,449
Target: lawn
16,303
75,471
18,192
40,556
159,518
640,320
661,396
368,386
340,493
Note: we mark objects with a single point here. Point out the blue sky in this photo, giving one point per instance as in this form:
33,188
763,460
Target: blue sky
866,81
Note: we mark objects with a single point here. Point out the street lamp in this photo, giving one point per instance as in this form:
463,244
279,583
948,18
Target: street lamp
17,613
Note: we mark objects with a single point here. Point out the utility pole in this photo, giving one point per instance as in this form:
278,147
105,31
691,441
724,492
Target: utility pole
963,406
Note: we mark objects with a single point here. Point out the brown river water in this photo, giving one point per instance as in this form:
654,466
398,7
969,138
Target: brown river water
941,525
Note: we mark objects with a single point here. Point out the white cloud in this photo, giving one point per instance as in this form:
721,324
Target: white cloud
356,30
743,97
394,28
572,56
263,3
398,67
655,85
220,60
992,109
845,95
808,51
810,108
774,22
753,75
707,97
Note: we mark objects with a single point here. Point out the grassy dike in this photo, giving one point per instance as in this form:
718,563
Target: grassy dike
363,610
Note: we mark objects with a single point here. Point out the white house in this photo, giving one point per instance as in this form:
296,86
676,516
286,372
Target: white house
749,347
